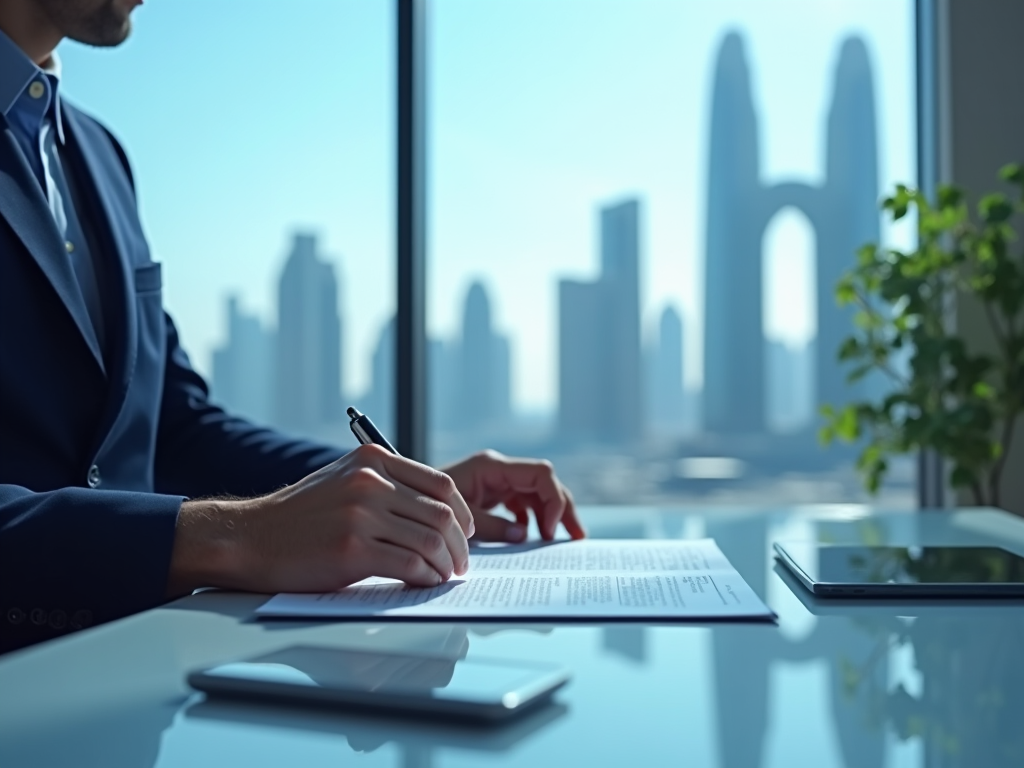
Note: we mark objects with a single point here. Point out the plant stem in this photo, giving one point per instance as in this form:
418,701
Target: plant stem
993,321
978,492
996,475
1007,345
883,367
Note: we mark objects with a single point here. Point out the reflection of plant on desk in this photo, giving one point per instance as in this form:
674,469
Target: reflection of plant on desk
971,692
959,402
933,565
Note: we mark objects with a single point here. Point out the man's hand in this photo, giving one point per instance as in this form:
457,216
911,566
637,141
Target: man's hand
488,479
370,513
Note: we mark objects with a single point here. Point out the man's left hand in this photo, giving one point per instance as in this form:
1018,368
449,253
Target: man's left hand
488,479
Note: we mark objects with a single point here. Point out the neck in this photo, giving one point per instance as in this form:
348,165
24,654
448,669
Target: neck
29,28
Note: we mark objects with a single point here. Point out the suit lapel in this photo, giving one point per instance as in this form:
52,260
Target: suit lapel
122,326
23,206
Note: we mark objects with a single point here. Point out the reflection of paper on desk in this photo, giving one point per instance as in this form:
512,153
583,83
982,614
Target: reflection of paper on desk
591,579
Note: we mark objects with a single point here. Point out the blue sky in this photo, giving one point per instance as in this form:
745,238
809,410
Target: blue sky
245,126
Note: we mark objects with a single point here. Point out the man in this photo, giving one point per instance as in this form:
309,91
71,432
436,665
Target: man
121,485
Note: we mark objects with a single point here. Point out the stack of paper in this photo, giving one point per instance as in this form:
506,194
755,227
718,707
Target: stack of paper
589,579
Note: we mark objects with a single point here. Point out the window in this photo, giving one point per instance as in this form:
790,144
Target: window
638,213
262,146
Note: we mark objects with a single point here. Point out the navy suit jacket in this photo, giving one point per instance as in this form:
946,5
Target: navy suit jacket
98,449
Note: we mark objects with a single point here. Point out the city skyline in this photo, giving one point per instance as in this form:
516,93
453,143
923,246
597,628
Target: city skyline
470,374
607,365
515,166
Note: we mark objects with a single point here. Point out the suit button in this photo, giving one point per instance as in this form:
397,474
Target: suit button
15,616
81,619
93,478
58,619
38,616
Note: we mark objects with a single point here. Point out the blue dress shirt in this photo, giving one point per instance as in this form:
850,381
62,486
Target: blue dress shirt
30,103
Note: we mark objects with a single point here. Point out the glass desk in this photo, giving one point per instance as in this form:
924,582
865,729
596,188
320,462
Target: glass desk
834,684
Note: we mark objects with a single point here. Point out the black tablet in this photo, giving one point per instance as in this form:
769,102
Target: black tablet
843,570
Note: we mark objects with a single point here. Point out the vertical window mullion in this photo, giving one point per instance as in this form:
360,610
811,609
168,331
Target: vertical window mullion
410,337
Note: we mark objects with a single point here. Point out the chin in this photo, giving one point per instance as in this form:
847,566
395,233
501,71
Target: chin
108,36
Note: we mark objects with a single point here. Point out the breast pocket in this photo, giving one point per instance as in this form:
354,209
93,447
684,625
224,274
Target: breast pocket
148,279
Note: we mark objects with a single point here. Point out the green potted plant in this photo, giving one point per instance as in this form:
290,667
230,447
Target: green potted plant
943,395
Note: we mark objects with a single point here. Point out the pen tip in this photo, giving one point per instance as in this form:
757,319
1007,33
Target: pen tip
353,413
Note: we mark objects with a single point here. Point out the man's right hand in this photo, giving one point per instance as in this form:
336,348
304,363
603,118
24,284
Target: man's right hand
370,513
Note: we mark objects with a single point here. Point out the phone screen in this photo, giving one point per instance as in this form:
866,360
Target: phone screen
484,681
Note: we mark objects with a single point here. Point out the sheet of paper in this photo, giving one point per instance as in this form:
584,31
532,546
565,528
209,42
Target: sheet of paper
589,579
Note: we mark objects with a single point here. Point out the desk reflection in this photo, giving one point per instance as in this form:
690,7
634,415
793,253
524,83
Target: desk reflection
963,705
966,702
743,656
415,740
135,733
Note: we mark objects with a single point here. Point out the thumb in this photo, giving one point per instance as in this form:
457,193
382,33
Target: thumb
495,528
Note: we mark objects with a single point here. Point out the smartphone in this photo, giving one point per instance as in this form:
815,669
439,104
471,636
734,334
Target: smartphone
471,688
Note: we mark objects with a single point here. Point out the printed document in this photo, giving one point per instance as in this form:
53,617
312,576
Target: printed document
588,579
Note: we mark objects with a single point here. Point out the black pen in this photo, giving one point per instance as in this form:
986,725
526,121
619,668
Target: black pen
366,433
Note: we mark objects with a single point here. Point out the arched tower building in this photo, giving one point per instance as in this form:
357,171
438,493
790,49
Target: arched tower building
843,212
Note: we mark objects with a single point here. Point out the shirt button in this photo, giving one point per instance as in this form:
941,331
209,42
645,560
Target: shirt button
15,616
81,619
58,619
93,478
69,246
36,90
38,616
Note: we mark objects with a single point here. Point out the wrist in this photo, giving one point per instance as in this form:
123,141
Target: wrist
209,546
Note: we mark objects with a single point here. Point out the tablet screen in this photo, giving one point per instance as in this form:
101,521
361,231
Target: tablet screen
909,565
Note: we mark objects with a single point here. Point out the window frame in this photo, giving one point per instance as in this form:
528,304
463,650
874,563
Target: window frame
411,82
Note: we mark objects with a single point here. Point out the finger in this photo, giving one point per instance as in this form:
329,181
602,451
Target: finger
496,528
431,482
425,541
520,510
436,515
395,562
571,518
538,477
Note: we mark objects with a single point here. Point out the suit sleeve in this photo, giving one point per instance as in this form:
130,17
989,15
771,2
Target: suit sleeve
74,557
204,451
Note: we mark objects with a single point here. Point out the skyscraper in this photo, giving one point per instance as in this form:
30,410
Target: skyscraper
600,393
482,381
849,215
733,340
242,369
665,403
843,212
308,373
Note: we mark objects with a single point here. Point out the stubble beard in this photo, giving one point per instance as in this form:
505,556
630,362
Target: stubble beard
100,23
